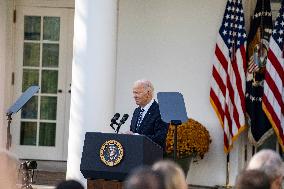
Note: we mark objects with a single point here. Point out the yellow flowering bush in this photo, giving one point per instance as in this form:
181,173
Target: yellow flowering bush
192,139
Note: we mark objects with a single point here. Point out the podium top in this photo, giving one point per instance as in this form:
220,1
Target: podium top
172,106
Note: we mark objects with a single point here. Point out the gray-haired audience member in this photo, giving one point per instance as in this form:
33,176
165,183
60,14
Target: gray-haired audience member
173,175
252,179
143,178
69,184
271,163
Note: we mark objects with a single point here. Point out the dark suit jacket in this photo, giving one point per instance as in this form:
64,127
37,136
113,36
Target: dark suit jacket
152,125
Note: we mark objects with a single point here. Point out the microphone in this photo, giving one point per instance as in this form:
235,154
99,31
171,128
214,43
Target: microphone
122,121
124,118
113,120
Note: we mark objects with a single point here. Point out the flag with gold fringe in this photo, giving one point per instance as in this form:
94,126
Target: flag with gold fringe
227,92
273,98
258,44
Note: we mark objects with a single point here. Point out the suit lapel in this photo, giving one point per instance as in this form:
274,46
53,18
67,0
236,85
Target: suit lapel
148,115
135,117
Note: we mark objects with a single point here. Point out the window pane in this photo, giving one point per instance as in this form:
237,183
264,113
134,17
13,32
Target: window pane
32,27
51,28
30,77
29,110
48,108
49,81
28,133
47,134
50,53
31,54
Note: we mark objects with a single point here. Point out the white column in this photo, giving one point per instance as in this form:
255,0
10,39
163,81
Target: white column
3,19
5,65
93,75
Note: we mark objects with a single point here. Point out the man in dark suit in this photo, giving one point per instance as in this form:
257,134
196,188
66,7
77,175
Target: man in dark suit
146,119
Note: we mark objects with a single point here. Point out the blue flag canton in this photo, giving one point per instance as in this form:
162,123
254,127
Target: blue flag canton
278,31
232,30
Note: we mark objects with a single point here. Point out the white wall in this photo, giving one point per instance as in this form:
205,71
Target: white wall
5,65
172,43
3,6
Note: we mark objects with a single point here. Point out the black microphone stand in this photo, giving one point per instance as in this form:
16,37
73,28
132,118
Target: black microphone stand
112,125
176,123
118,127
9,136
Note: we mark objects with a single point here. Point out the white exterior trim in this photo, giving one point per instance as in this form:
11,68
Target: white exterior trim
47,3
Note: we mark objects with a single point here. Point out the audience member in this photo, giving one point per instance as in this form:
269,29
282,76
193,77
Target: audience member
252,179
271,163
69,184
8,170
173,175
144,178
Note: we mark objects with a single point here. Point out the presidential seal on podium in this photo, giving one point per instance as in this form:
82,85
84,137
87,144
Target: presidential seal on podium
111,153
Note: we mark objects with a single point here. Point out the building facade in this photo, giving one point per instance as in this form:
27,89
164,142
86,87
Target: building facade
85,56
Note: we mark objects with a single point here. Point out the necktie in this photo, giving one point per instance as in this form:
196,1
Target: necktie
139,120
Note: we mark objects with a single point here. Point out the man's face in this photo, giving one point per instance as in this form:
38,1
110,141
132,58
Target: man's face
141,96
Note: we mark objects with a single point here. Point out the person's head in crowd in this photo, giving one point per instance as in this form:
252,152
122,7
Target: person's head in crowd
9,165
173,175
271,163
252,179
69,184
143,178
143,92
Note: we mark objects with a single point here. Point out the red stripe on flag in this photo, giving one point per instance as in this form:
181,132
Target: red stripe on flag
217,105
219,81
275,119
275,91
239,84
232,98
243,53
226,143
221,58
277,65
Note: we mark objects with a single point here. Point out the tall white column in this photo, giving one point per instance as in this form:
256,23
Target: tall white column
93,75
3,20
6,60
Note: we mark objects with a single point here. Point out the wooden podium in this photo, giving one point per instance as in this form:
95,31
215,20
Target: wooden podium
104,184
108,158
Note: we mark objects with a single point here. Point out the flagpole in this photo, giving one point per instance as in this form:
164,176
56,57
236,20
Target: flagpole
228,170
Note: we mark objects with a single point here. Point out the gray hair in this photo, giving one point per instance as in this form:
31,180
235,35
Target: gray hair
268,161
143,178
252,179
146,84
174,177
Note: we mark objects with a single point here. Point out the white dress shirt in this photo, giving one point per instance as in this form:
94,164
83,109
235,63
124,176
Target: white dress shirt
146,108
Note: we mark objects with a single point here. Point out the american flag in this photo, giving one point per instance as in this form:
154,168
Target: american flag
273,98
228,83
